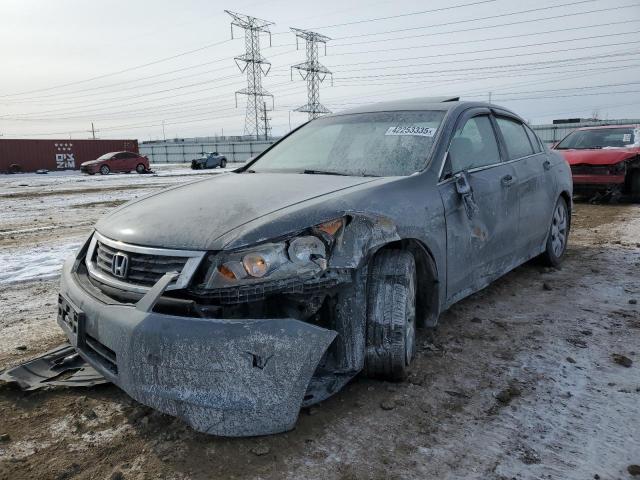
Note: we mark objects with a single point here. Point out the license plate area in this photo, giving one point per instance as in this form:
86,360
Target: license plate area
71,319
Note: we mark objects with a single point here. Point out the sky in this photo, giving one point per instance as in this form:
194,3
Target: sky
150,70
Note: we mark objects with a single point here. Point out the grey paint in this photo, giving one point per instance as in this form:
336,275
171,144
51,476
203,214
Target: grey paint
200,369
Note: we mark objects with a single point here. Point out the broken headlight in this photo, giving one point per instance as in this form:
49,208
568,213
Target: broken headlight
305,255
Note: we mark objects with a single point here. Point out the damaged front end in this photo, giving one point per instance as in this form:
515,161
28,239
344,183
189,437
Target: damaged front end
232,342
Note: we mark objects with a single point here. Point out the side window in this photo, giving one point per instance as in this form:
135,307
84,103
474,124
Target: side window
119,156
474,145
515,137
535,141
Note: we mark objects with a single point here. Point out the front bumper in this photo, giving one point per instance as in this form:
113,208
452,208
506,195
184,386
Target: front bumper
223,377
603,180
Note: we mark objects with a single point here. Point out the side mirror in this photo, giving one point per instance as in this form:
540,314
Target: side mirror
466,193
462,184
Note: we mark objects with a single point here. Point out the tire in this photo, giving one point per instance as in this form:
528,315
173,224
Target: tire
223,163
391,315
634,185
104,170
558,235
140,168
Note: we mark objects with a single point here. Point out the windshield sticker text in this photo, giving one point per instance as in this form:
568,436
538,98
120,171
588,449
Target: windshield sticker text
411,130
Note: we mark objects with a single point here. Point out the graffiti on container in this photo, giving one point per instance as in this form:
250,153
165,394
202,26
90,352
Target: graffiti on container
64,157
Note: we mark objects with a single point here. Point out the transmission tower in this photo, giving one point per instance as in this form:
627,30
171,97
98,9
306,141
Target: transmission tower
255,65
314,71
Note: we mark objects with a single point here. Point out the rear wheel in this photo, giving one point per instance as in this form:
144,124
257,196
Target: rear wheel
391,315
223,163
558,234
104,170
634,185
140,168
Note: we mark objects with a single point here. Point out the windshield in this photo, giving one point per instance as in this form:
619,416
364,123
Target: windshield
366,144
106,156
600,138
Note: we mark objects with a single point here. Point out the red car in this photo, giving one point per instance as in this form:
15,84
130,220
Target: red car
116,162
604,159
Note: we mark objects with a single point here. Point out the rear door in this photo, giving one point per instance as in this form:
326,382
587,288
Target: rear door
535,182
481,206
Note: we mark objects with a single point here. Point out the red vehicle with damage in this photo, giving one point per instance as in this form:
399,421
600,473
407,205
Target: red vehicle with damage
604,160
116,162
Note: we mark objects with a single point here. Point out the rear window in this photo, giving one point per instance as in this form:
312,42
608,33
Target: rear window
515,138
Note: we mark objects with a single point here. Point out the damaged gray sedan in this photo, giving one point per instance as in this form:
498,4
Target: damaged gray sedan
333,246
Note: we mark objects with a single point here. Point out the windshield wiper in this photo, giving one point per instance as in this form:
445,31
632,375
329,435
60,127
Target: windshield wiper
323,172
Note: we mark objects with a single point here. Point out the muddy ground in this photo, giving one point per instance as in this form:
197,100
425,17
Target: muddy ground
537,376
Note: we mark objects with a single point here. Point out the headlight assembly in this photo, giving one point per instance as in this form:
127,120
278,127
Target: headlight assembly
306,254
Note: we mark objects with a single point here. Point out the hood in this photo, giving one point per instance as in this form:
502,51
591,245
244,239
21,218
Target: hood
194,215
604,156
91,162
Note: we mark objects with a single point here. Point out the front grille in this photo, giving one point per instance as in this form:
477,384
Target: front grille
143,270
590,170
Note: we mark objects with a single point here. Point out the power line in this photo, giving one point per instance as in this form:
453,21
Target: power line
124,70
434,10
507,37
477,19
493,58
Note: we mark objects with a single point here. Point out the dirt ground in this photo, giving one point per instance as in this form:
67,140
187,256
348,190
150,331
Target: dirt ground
523,380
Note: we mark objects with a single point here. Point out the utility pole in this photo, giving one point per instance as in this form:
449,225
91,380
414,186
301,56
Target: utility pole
164,135
93,131
255,65
315,72
265,119
490,96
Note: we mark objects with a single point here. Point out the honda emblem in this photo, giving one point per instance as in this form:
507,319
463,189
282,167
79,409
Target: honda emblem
120,265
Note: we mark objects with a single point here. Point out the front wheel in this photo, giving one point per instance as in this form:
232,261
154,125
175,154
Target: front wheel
634,185
223,163
558,235
391,315
104,170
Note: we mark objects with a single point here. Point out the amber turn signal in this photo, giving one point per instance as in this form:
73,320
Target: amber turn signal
331,227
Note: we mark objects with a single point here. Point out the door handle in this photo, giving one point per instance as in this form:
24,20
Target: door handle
506,180
547,165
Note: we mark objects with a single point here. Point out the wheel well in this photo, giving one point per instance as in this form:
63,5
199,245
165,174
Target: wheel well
427,289
567,198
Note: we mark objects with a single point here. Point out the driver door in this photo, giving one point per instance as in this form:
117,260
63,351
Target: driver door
479,195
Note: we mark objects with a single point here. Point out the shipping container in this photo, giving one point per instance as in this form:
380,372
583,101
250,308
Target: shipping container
32,155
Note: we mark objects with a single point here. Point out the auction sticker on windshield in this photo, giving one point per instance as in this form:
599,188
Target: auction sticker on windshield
411,130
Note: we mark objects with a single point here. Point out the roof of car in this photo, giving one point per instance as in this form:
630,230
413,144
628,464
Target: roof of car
422,103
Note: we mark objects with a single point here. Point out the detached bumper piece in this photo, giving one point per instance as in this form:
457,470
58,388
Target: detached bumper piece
223,377
60,367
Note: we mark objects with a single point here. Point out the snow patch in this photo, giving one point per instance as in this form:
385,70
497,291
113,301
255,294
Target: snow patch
35,263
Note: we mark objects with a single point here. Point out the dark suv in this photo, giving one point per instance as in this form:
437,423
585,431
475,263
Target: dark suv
331,248
116,162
